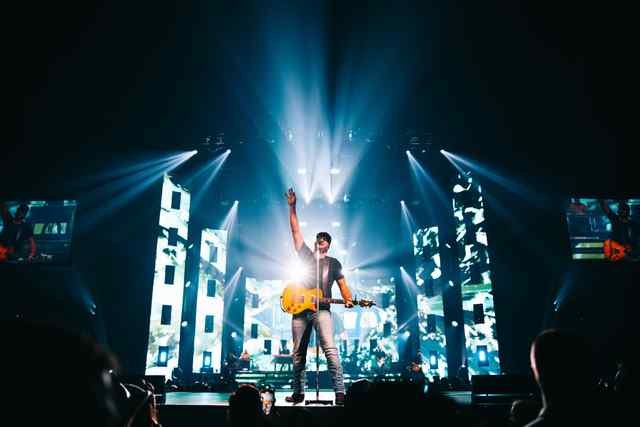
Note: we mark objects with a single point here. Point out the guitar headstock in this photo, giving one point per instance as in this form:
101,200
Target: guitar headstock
365,303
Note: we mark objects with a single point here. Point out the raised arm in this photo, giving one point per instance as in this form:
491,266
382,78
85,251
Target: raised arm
298,240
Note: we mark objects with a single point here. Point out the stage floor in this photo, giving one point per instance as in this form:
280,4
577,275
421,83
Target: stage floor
222,399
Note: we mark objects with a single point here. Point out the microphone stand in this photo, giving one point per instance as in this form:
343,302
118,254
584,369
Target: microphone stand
317,400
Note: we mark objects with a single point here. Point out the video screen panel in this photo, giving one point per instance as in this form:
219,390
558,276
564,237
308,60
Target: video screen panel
36,231
169,279
365,336
210,301
480,329
604,229
267,329
433,343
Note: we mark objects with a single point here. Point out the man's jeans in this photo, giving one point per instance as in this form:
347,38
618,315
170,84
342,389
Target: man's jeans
301,325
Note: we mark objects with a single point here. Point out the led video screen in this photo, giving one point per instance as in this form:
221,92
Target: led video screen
481,339
426,249
36,231
365,337
603,229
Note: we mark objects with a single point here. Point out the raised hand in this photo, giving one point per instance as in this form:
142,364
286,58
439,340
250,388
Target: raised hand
291,197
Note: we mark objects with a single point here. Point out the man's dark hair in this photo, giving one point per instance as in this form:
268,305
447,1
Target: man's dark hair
324,235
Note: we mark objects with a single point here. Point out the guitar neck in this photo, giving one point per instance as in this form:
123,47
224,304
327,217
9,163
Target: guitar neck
334,301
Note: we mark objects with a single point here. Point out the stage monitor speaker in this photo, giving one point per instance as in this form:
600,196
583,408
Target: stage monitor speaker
501,389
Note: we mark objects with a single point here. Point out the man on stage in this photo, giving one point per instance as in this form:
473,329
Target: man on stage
301,324
16,239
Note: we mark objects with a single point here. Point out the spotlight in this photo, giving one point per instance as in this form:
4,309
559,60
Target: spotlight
454,323
234,334
228,150
235,202
206,359
163,355
402,202
482,356
297,270
184,324
407,151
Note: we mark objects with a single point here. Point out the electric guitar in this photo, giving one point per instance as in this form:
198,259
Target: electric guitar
615,251
296,298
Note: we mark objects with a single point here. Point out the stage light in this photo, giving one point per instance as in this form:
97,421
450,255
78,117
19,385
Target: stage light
407,152
235,202
454,323
184,324
228,150
302,171
334,171
206,359
163,355
234,334
483,360
402,202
